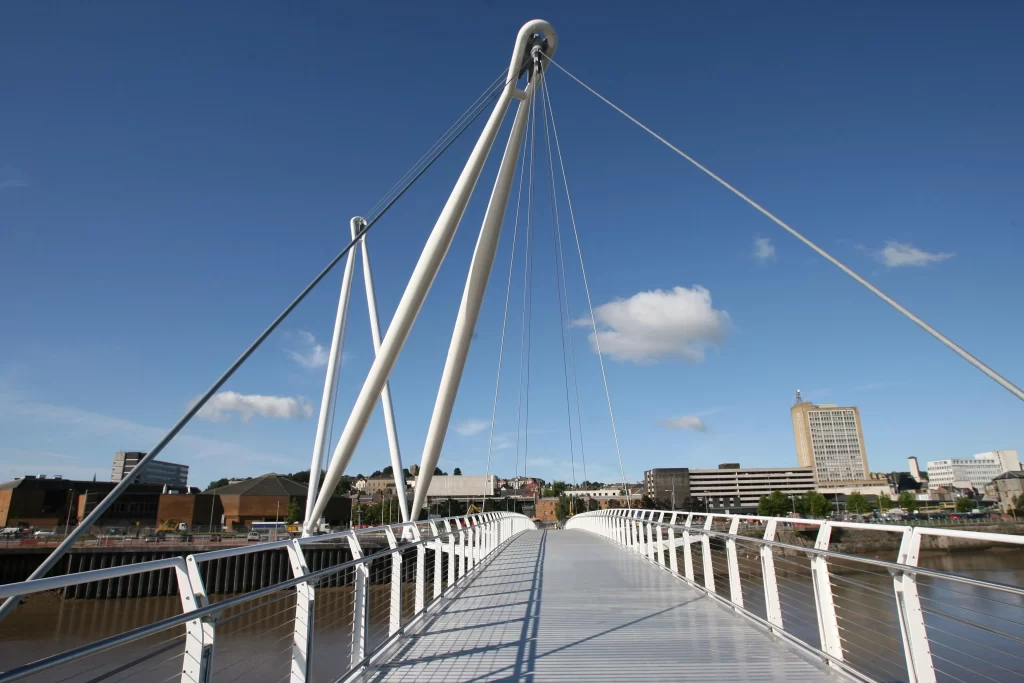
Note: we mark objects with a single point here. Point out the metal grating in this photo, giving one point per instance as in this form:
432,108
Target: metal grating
569,606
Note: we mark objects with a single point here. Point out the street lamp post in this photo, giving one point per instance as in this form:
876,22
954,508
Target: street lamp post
277,519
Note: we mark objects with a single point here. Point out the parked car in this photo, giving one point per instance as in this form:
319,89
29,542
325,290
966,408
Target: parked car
151,538
186,538
253,536
214,538
11,532
45,533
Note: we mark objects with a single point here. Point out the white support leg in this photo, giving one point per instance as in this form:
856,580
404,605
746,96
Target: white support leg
828,625
709,567
421,571
395,617
330,385
687,552
426,270
733,562
197,664
438,561
472,299
385,394
305,609
908,605
673,561
359,601
773,606
452,559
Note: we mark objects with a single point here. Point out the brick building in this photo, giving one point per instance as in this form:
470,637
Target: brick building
266,499
51,502
199,511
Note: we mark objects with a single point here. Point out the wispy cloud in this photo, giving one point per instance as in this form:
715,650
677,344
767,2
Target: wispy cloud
309,354
220,407
648,326
898,254
685,422
471,427
764,250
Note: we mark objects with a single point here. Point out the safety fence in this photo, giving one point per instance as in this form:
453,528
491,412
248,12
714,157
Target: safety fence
875,619
323,624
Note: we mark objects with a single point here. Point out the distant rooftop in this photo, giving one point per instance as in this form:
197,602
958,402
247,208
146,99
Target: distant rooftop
267,485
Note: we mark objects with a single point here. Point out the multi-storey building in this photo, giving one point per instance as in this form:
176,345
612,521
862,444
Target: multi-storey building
977,471
829,439
156,472
730,487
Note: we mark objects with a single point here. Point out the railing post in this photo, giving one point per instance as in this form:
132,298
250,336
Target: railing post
687,551
733,562
773,607
197,665
673,561
705,544
305,604
438,561
659,553
452,559
908,605
649,545
471,538
421,569
361,578
828,625
395,619
463,560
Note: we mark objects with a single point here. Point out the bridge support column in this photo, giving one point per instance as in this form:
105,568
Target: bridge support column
305,604
828,626
197,665
705,544
773,607
908,605
360,603
395,617
673,561
732,559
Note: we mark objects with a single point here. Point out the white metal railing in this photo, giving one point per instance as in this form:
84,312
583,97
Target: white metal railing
874,619
371,619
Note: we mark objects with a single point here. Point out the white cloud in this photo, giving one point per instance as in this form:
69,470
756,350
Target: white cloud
311,355
898,254
685,422
764,250
471,427
218,408
660,324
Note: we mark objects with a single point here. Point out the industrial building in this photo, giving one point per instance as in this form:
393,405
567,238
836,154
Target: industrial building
45,502
156,472
461,486
266,499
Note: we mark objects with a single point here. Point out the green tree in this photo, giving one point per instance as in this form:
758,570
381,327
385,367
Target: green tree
294,512
964,505
217,483
457,472
557,488
857,503
908,501
816,504
775,504
884,503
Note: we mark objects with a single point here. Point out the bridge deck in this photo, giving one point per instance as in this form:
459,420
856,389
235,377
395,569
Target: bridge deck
569,606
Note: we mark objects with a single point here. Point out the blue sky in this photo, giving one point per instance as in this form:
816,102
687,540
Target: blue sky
172,175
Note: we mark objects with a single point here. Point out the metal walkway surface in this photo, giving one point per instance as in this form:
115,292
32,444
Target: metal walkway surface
569,606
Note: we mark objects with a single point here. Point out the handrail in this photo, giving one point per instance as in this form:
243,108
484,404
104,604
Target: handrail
644,532
504,524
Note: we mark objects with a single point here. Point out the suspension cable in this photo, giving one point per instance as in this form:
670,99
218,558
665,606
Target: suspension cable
590,303
558,289
529,287
565,285
953,346
504,319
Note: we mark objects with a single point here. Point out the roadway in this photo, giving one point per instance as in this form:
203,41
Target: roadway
569,606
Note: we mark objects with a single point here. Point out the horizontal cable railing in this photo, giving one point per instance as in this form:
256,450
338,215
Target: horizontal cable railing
875,619
309,624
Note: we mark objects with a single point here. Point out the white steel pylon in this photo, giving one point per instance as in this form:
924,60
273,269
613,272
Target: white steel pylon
535,37
357,224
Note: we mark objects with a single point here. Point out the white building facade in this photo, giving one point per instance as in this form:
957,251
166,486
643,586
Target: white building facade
830,439
976,472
